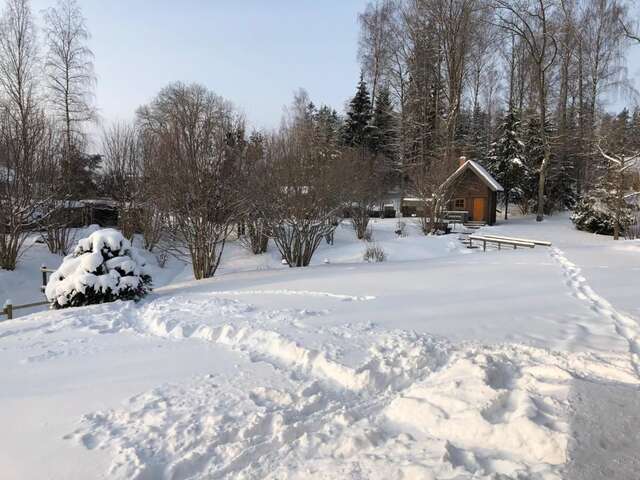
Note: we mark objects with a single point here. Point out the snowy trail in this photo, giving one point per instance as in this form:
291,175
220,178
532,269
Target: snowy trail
625,326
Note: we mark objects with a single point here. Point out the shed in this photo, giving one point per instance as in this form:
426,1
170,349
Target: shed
472,189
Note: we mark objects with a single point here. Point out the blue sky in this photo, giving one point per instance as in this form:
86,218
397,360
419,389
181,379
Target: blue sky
255,53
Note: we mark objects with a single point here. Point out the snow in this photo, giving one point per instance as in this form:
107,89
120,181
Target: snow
440,363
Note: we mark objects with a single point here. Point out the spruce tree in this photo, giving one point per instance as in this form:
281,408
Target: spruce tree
384,130
357,128
505,160
527,190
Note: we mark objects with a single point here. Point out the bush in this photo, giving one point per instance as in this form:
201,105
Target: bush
102,268
374,253
592,215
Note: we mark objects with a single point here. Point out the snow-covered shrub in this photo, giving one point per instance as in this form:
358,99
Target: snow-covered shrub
102,268
592,214
374,253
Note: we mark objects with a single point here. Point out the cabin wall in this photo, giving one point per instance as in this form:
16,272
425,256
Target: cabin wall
468,187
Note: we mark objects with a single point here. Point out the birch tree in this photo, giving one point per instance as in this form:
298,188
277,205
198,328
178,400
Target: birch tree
530,20
23,129
70,77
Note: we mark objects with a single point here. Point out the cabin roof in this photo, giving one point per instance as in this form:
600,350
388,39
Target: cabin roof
480,171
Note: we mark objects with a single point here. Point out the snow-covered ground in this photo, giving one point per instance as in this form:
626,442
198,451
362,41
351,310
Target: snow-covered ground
441,363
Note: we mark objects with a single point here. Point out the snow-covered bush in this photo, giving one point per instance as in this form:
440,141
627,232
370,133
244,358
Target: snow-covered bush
374,253
592,214
102,268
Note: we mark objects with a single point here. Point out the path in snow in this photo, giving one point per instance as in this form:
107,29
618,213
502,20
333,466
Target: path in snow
604,417
625,326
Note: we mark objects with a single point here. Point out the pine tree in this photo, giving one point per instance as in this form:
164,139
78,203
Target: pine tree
357,131
505,157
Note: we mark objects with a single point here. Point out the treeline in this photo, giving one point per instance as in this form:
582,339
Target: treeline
186,174
520,85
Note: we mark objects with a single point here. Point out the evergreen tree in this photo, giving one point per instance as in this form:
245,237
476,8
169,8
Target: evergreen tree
527,190
561,177
357,131
505,160
104,267
479,134
329,126
384,128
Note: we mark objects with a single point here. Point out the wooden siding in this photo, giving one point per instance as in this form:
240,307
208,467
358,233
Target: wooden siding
470,186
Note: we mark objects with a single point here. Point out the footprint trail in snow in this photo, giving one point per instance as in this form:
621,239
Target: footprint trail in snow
625,326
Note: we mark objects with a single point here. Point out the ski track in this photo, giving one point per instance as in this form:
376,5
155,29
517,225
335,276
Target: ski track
625,326
415,407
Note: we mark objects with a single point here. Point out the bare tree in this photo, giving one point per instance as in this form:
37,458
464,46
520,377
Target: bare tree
530,20
366,186
70,77
195,133
376,26
428,183
122,173
252,230
22,130
301,189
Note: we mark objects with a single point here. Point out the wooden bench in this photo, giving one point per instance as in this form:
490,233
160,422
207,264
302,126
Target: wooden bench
498,241
456,216
525,240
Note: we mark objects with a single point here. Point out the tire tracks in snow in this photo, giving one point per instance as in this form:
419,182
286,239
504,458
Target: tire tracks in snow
625,325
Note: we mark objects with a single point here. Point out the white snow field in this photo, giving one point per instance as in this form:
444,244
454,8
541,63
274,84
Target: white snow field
441,363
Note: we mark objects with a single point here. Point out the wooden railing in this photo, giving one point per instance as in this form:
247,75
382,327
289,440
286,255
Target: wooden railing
8,307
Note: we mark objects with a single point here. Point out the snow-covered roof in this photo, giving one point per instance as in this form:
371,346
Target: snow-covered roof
479,170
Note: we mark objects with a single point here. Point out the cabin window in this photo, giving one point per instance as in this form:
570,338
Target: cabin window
458,203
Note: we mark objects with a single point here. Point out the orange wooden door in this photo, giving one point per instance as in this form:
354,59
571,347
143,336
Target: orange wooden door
479,209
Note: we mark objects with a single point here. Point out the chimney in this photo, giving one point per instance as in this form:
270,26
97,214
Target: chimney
462,160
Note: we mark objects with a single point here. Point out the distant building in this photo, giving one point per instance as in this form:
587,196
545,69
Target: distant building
473,190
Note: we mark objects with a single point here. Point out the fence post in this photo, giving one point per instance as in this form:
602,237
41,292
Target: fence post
8,309
43,269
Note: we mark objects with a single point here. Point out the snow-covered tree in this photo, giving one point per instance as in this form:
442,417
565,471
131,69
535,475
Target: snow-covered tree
505,157
618,190
104,267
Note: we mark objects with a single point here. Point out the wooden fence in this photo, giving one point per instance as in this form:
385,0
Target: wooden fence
9,307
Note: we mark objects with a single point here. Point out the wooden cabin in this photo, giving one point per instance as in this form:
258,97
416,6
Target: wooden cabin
473,190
